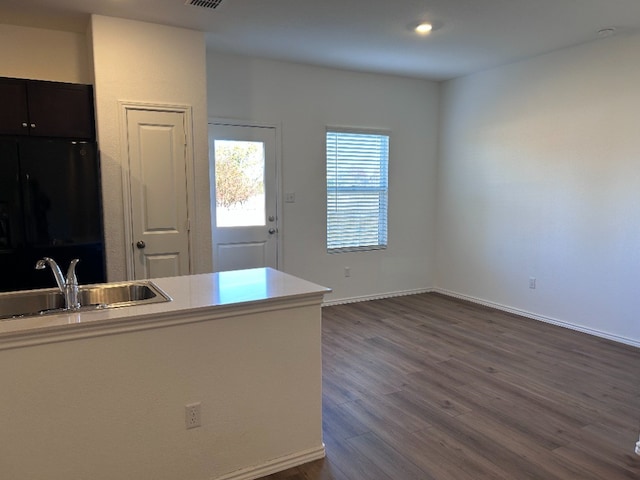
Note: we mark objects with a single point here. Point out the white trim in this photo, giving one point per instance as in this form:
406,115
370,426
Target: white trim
541,318
379,296
279,182
363,130
241,123
124,106
276,465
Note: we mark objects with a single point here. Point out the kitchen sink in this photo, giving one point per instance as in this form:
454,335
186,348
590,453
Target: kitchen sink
91,297
121,294
32,302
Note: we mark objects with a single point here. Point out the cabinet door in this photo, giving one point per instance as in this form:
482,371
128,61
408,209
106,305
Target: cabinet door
11,226
13,113
60,110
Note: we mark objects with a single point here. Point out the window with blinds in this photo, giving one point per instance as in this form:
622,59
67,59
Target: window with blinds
357,190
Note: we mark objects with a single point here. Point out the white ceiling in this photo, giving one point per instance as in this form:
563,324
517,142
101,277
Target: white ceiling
368,35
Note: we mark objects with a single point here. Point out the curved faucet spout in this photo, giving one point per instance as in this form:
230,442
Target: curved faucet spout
57,273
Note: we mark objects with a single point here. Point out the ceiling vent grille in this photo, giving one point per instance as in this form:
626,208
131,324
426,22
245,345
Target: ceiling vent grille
204,3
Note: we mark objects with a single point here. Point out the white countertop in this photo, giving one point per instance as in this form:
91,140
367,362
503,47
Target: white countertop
190,294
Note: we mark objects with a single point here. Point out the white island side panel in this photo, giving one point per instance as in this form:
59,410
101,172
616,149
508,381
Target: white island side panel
111,403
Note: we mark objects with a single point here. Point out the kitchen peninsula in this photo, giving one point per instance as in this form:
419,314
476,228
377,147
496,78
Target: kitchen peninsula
102,394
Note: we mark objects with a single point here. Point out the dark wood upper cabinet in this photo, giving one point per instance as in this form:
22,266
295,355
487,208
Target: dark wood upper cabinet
14,110
46,109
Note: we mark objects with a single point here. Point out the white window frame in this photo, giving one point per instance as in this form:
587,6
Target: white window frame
373,197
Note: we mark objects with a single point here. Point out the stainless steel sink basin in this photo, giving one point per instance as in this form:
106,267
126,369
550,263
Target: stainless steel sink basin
92,297
121,294
19,304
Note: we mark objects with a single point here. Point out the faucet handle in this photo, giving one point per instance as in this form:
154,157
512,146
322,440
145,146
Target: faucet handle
72,279
71,287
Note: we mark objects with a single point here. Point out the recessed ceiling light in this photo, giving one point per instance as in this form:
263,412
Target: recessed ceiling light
606,32
424,28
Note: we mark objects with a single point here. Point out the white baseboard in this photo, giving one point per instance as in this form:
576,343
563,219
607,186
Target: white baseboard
486,303
276,465
541,318
379,296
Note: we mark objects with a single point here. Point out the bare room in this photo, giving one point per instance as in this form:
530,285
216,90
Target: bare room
428,268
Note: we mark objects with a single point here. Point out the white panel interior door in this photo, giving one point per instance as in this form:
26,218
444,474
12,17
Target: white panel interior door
245,188
158,189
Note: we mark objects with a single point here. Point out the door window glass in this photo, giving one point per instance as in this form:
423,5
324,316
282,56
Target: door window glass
239,173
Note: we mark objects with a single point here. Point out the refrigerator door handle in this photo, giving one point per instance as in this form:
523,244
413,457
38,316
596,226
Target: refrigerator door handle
5,231
28,208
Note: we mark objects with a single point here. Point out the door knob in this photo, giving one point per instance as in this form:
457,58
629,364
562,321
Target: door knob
272,231
140,244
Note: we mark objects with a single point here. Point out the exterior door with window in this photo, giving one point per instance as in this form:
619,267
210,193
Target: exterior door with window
244,183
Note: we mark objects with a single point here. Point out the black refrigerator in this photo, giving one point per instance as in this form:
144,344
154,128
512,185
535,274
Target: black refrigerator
50,205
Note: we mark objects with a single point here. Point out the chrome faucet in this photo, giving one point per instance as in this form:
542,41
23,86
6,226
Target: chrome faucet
68,286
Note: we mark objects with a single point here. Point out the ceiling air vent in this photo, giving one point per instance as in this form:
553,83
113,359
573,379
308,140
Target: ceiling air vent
204,3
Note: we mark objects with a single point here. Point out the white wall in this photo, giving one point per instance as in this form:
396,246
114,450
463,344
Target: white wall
304,100
113,406
143,62
540,176
538,165
42,54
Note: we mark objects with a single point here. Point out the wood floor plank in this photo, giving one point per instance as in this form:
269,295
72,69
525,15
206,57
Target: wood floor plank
387,458
602,468
352,463
523,454
451,458
429,387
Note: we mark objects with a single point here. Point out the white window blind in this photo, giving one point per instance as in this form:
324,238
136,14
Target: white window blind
357,190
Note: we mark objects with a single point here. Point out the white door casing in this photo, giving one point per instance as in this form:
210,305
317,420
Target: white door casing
256,245
157,190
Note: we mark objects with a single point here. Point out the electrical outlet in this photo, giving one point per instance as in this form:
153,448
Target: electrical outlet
347,271
192,415
532,283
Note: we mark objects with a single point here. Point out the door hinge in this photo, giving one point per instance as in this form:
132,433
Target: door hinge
187,225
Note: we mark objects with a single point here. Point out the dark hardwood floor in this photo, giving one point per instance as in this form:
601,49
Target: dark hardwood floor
430,387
